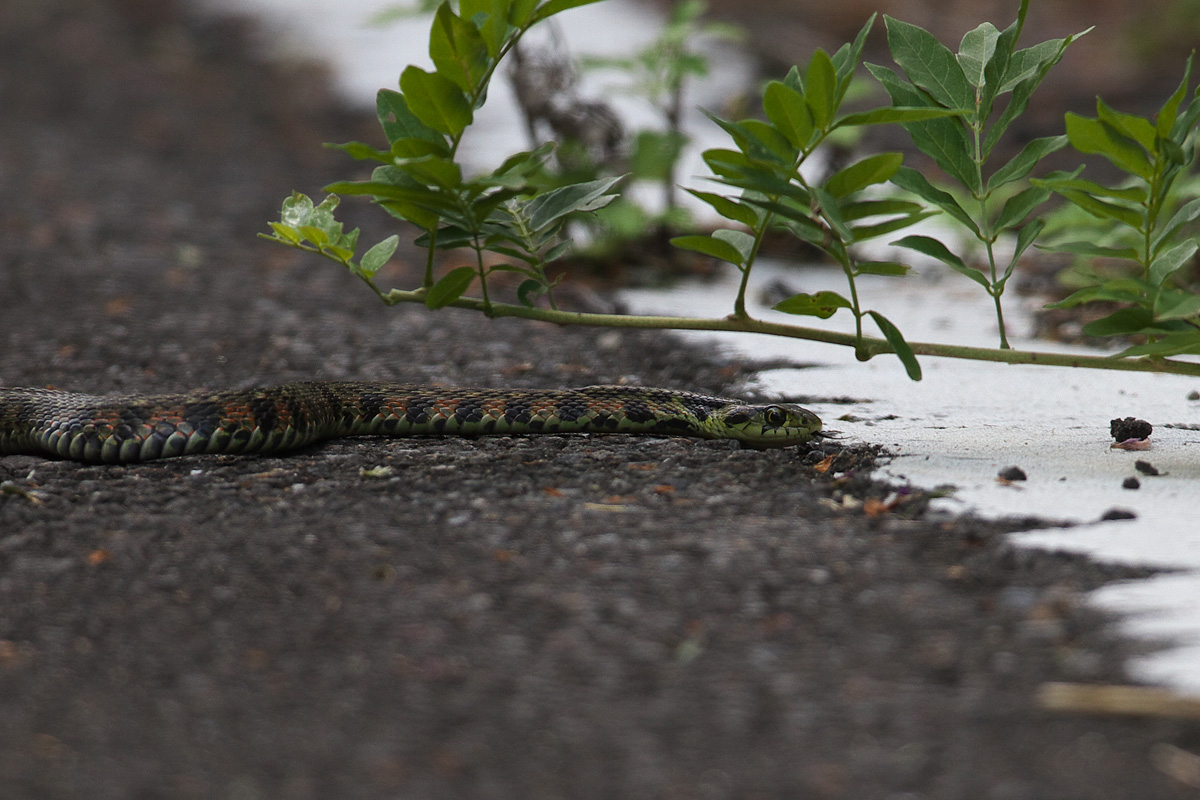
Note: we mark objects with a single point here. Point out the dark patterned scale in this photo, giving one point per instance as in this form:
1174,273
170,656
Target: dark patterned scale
141,428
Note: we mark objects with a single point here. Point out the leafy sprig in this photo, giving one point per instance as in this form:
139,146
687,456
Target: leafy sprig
420,180
987,66
833,215
950,103
1153,228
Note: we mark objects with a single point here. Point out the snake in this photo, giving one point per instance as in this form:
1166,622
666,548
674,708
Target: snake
134,428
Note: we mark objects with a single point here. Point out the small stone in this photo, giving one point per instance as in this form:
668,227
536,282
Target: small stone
1193,395
1130,428
1117,513
1012,474
1145,467
1131,483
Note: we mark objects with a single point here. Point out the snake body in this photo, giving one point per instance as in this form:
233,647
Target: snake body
145,427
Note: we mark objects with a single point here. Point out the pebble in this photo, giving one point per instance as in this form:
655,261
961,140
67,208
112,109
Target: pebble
1013,474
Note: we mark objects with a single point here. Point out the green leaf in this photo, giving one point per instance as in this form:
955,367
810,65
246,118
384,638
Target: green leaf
894,114
1065,181
1019,206
399,122
1167,115
1094,136
1023,162
822,304
655,154
929,64
449,237
413,147
1026,71
444,173
935,249
976,50
297,210
741,241
360,151
1103,209
1121,290
548,208
794,80
285,232
457,49
1173,152
758,141
845,60
862,209
1029,61
1123,322
788,112
342,254
766,182
529,291
1025,237
423,218
832,214
862,233
525,162
314,234
820,89
1171,261
801,215
1188,213
728,208
558,251
1092,249
727,163
1170,345
493,246
867,172
322,213
377,256
944,140
708,245
430,199
1133,127
766,141
910,180
996,67
451,287
890,268
494,27
436,100
1171,304
896,340
808,232
520,13
557,7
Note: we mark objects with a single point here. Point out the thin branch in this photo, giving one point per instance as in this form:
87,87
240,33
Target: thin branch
867,346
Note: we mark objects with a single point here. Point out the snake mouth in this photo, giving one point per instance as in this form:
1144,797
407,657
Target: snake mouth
825,434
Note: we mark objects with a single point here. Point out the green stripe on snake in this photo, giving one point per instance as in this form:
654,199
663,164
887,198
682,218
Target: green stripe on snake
127,429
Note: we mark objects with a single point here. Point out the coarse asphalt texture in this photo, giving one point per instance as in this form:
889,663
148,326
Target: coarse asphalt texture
526,617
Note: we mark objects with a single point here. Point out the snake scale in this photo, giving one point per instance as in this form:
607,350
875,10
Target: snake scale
145,427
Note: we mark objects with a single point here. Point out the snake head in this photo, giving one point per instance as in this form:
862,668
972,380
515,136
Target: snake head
773,425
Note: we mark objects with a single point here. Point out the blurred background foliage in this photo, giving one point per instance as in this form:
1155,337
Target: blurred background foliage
1132,58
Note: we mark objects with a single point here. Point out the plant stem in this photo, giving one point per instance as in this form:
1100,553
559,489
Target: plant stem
1000,320
482,270
865,345
739,303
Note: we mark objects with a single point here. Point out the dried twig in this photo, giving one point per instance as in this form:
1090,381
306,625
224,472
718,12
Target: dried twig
1146,701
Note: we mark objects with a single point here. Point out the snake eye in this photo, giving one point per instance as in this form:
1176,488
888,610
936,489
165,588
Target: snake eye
774,416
